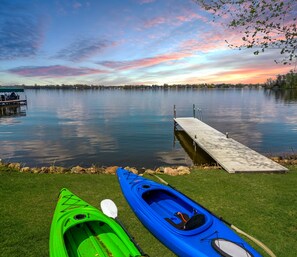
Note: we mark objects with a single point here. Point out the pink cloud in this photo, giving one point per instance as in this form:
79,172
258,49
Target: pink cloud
211,41
248,74
202,45
56,71
175,20
190,16
145,62
154,22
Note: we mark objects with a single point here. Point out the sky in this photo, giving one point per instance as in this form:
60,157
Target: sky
120,42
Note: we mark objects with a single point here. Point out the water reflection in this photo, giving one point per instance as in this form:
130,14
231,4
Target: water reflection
175,157
135,128
197,155
12,111
286,96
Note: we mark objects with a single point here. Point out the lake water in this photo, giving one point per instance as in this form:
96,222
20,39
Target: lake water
135,127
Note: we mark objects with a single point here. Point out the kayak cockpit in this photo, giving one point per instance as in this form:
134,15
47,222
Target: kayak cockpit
187,223
94,238
174,210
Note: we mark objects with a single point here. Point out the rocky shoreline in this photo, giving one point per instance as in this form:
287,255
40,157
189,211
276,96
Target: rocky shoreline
172,171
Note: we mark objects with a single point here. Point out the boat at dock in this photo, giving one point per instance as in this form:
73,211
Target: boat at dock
12,96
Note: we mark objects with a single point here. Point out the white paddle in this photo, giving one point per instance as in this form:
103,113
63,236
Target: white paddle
110,209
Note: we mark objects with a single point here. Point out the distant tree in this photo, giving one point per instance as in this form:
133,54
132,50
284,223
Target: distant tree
291,80
263,24
284,81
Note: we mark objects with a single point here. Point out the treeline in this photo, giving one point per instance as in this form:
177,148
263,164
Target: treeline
286,81
142,87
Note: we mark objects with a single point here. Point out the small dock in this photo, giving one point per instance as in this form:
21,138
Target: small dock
13,102
233,156
9,96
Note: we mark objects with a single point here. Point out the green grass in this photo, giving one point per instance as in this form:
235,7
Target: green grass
264,205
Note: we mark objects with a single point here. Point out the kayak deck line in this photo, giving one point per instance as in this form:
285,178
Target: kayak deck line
233,156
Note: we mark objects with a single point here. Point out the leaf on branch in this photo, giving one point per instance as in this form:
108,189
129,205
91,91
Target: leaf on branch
268,24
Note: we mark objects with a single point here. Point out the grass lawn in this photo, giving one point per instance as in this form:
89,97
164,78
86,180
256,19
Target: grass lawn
263,205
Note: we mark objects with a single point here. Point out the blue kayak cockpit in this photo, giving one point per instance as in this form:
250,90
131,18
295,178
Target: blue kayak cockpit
173,209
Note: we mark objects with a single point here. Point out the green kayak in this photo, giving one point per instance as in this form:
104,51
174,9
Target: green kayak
80,230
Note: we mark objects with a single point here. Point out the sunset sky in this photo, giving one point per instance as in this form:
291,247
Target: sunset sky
118,42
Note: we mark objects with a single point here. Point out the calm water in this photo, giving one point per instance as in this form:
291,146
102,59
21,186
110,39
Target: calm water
135,128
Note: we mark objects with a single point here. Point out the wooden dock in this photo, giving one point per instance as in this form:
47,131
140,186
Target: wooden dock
231,155
9,96
13,102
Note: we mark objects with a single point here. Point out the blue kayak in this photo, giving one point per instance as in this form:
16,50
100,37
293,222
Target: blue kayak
182,225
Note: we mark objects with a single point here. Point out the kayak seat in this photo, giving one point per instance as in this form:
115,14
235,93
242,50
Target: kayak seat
181,223
194,222
187,223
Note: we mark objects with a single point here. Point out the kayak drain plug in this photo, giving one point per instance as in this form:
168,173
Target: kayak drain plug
79,216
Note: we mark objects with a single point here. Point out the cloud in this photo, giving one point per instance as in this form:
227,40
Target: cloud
83,49
172,18
144,62
77,5
251,72
195,45
154,22
21,35
55,71
234,69
146,1
190,16
211,40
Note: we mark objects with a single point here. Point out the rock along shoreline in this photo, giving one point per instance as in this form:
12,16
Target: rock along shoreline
172,171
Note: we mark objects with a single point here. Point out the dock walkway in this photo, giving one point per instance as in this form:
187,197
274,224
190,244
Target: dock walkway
231,155
13,102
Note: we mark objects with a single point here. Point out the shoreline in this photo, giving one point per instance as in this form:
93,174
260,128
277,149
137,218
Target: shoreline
168,170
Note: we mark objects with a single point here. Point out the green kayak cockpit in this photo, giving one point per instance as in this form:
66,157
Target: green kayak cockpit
94,238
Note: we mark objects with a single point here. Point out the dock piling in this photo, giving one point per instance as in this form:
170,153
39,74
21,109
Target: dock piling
174,114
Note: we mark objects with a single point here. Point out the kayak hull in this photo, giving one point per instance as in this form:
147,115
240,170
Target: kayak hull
79,229
182,225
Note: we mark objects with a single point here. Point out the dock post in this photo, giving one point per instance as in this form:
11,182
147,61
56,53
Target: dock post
194,111
195,146
174,114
